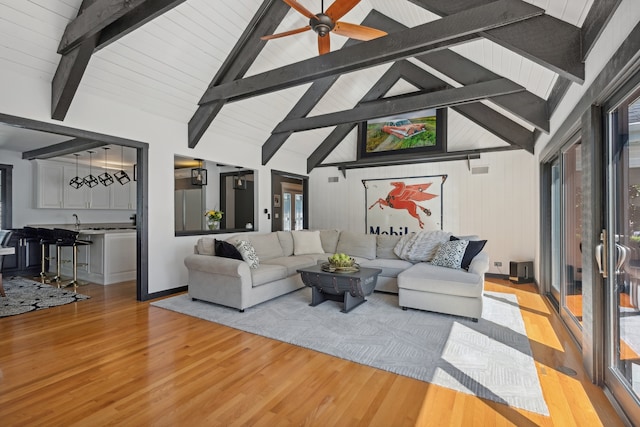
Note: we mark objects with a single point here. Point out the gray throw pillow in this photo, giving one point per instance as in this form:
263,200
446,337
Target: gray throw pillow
449,254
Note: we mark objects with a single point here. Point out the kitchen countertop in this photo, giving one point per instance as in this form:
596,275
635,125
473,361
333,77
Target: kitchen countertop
93,228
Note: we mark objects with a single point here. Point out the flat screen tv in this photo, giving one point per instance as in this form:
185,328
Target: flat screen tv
417,133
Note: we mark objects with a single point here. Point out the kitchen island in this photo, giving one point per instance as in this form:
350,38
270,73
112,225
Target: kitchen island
110,258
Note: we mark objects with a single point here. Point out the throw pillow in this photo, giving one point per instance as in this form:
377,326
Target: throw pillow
227,250
306,242
473,249
248,253
206,246
449,254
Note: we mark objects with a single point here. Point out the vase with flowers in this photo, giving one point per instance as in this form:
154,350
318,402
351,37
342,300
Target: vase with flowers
213,218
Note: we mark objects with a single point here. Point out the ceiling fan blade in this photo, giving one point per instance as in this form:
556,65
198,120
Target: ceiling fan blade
300,8
324,44
339,8
358,32
286,33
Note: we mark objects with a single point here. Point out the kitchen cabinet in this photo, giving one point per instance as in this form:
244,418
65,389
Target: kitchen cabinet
110,258
49,178
98,197
123,196
54,192
26,260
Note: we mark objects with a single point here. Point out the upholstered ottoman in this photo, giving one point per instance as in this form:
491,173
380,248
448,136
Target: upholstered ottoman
444,290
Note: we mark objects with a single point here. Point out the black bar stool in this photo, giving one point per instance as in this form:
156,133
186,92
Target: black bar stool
67,238
45,237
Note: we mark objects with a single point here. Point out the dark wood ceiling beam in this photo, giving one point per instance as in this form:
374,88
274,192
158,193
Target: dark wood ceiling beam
69,73
597,18
405,104
337,135
93,20
134,19
477,112
524,105
484,116
394,160
548,41
75,58
312,96
63,148
407,43
243,54
497,124
68,76
308,101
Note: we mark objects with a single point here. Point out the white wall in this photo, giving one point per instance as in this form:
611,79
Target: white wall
30,97
499,206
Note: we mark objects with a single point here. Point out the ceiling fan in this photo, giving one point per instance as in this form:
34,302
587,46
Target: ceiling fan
328,21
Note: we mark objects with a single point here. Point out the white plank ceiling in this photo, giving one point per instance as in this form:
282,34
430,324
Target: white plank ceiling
165,66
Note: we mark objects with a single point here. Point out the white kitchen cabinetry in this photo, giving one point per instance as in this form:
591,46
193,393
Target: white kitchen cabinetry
123,196
49,178
53,189
110,258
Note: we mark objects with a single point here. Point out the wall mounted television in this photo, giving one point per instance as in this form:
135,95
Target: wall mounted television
417,133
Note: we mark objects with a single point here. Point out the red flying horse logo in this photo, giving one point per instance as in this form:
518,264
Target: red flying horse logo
405,197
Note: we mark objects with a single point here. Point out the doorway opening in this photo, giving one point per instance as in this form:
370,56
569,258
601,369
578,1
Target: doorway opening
290,201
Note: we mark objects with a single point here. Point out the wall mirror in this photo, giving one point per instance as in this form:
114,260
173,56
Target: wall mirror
203,185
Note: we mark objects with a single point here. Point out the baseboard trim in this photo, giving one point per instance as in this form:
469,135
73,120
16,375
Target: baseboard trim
167,292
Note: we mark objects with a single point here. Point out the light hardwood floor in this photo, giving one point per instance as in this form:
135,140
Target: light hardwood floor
113,361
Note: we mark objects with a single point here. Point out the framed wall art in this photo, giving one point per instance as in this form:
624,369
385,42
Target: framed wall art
422,132
398,206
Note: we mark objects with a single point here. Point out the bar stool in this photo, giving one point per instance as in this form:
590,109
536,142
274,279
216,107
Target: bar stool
67,238
45,238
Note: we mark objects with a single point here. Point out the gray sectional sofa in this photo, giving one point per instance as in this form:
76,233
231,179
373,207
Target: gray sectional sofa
421,285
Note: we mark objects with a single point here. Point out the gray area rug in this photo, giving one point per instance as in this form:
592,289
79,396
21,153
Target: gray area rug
24,295
490,359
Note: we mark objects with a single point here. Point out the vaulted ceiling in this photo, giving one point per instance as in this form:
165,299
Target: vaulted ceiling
502,66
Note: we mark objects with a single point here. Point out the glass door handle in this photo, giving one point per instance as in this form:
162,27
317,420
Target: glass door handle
601,254
622,252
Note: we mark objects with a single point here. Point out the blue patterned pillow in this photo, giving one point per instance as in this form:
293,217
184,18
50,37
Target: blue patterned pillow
248,253
450,254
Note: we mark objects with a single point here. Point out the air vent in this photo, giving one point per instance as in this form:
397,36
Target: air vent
479,170
333,179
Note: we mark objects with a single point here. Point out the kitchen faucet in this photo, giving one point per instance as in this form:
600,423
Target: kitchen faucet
77,220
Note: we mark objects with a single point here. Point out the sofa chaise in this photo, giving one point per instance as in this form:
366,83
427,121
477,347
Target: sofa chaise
271,270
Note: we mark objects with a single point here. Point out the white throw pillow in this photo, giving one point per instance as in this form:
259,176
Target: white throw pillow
306,242
450,254
248,253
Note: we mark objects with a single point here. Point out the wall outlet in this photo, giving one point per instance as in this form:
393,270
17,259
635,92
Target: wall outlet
497,264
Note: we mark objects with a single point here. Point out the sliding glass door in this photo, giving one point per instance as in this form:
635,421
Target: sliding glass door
566,231
619,254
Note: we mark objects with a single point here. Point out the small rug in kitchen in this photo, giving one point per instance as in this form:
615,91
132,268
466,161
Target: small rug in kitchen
24,295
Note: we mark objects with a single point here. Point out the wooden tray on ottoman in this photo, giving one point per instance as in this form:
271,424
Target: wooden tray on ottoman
348,287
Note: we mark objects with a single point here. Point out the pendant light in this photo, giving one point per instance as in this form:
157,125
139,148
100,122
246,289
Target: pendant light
90,180
76,182
199,174
240,182
105,178
121,175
